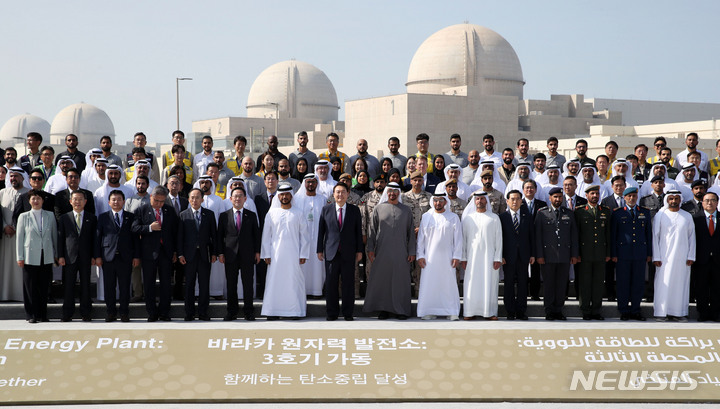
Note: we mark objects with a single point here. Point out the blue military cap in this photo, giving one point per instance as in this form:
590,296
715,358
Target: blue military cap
631,189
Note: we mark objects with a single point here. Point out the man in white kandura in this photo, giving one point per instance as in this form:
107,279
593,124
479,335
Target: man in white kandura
284,247
673,254
482,258
310,204
439,250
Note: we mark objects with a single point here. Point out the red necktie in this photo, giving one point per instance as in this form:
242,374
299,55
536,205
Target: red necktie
340,219
711,226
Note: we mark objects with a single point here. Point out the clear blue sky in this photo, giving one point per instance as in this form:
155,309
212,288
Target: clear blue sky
123,56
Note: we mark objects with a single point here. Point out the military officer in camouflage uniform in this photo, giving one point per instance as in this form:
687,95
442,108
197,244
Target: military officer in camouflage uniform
419,201
495,197
457,205
367,205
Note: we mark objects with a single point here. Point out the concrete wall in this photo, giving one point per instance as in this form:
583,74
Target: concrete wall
639,112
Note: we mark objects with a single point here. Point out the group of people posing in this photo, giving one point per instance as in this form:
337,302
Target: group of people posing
283,229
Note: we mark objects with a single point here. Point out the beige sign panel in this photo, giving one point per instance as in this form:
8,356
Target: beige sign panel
368,365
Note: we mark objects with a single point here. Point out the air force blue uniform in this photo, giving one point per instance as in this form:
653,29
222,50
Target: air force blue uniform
632,245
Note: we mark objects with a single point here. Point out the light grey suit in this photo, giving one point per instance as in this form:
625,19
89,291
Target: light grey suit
31,241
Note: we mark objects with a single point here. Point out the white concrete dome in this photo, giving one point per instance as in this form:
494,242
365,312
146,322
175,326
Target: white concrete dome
20,125
300,89
88,122
466,54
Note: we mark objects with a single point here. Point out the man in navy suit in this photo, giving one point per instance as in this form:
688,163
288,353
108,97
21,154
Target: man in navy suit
179,203
707,260
631,250
518,252
117,250
76,243
340,245
533,205
430,181
156,224
239,249
197,249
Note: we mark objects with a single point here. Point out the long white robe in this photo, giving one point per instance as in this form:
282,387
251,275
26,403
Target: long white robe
313,269
284,242
325,187
482,245
439,241
11,275
673,245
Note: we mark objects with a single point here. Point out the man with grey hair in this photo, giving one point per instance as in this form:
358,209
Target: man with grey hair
157,225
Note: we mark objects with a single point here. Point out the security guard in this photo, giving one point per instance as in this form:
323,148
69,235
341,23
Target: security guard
593,222
631,250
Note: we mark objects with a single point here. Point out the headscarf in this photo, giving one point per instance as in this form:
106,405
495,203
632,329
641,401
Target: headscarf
89,172
566,171
629,180
439,193
57,182
470,208
390,186
498,183
581,185
670,184
296,174
680,178
516,183
131,183
325,187
302,191
544,180
21,172
362,188
335,173
464,191
283,187
440,173
672,192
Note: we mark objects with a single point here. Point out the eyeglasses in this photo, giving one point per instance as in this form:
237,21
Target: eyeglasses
659,145
36,178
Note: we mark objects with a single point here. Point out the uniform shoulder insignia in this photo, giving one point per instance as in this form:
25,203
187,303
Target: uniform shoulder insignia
616,209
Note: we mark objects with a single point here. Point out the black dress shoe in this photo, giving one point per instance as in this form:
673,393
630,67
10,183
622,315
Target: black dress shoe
587,317
535,298
383,315
625,316
598,317
638,317
331,318
249,317
189,318
559,316
33,321
86,319
550,317
124,318
152,318
511,316
273,318
66,319
164,318
204,318
230,317
522,316
402,317
111,318
349,318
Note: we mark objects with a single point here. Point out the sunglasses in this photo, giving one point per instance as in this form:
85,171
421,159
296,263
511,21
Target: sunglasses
36,178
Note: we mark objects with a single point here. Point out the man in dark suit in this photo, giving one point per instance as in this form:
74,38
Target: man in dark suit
340,245
593,222
76,243
62,198
179,203
694,206
518,234
239,249
654,201
631,250
533,205
156,224
430,181
197,249
707,260
570,199
117,250
556,247
616,200
262,202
